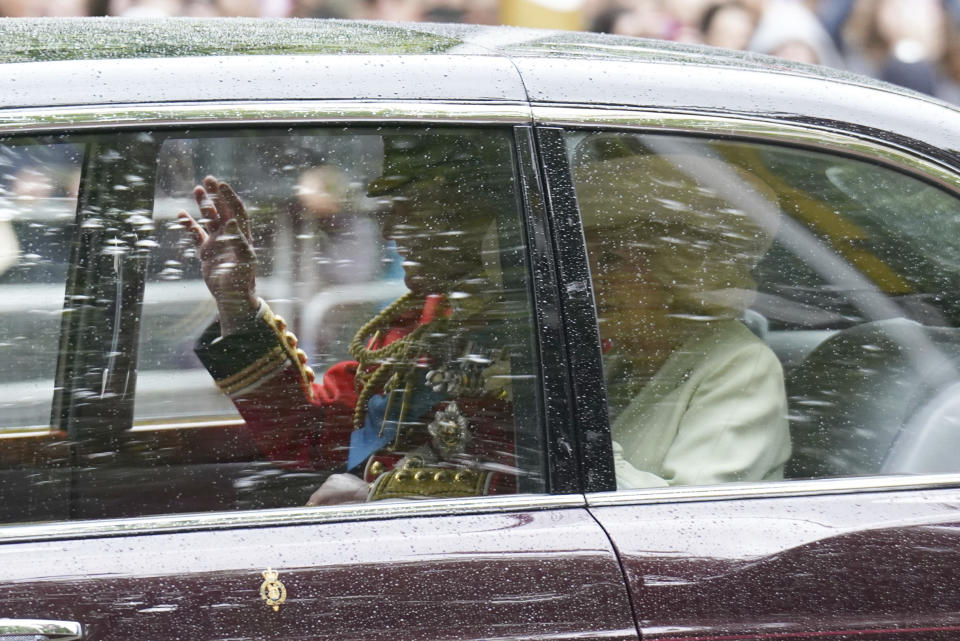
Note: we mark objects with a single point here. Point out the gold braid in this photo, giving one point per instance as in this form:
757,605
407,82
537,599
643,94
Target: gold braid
382,367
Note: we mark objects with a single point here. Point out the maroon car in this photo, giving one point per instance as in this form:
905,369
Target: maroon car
543,335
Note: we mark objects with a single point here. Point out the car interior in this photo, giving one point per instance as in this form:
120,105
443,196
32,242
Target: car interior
852,293
164,433
853,296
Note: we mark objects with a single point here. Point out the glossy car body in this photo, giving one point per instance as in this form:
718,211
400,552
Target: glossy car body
868,557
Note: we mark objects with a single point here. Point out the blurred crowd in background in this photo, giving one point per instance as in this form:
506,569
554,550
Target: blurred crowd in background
913,43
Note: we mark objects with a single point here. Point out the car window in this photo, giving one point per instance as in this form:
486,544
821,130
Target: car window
38,202
388,353
769,312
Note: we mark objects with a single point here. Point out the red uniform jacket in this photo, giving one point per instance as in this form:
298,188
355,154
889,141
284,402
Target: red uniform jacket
303,423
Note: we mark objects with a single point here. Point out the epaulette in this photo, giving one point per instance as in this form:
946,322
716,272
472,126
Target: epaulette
417,480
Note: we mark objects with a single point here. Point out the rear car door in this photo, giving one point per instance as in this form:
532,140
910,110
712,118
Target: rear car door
137,502
778,339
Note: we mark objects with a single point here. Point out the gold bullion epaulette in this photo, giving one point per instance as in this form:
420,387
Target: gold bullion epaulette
430,481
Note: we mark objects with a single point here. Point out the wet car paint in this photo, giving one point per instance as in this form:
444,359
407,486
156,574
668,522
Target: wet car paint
530,575
874,566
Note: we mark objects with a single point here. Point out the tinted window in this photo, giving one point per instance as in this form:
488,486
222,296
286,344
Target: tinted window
392,342
38,202
769,312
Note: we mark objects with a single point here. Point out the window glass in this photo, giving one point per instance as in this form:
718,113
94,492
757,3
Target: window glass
38,202
370,337
769,312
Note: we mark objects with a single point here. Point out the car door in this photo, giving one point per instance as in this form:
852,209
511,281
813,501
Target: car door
777,338
138,502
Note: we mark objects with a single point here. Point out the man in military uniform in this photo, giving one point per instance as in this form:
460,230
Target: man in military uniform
417,412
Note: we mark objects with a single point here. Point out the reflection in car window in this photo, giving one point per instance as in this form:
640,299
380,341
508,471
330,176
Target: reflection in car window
703,251
38,208
391,263
38,202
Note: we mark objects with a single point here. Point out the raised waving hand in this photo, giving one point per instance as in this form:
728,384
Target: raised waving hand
225,247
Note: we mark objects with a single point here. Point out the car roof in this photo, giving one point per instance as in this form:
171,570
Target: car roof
65,39
47,63
50,39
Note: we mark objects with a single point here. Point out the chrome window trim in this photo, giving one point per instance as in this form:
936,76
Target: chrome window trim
206,521
147,116
773,489
754,128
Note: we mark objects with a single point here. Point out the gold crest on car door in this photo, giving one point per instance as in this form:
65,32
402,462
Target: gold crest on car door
272,590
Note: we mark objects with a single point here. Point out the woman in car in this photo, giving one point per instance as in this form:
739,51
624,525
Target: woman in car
694,396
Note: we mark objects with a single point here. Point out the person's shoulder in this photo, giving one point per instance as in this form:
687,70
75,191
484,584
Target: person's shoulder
730,355
730,338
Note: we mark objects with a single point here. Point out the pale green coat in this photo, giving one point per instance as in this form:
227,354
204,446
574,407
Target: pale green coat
715,412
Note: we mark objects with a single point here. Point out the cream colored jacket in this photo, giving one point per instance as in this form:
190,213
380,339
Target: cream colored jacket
715,412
